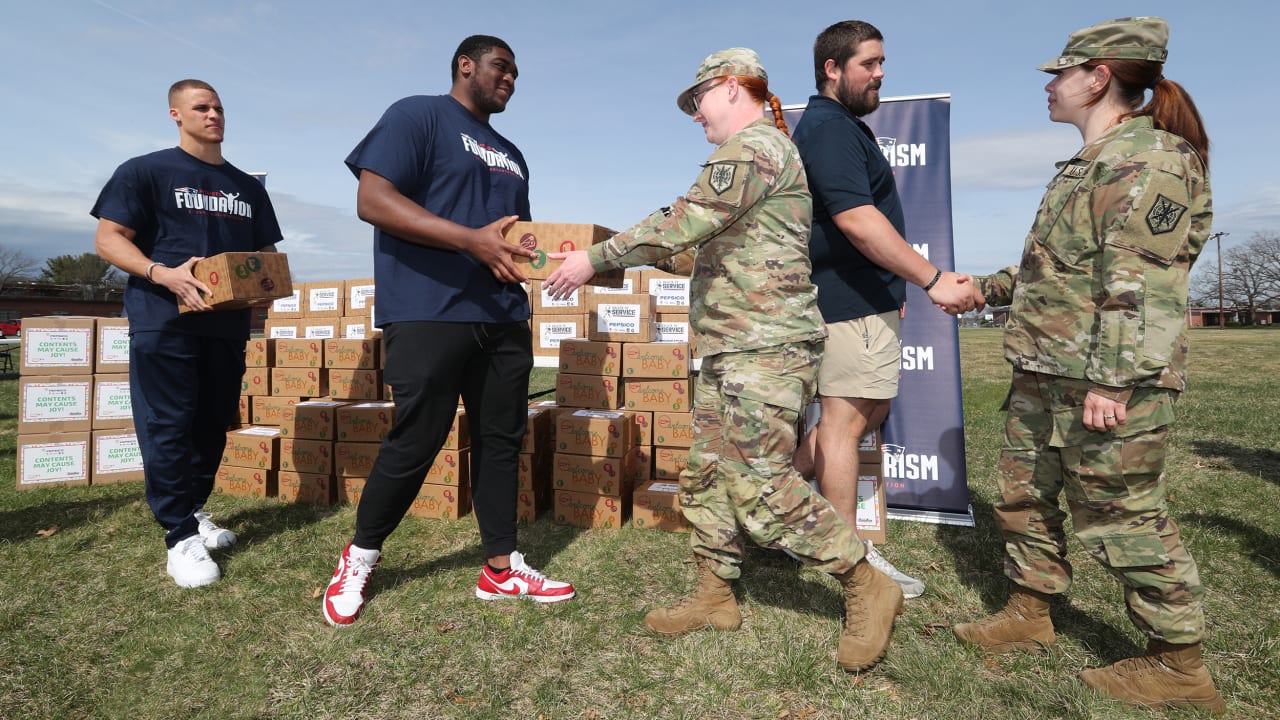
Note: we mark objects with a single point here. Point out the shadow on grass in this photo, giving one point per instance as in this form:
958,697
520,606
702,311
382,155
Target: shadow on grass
21,525
1256,462
771,577
1262,547
539,542
260,523
978,556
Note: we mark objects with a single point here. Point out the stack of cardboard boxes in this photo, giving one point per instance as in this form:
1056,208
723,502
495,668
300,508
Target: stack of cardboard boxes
75,421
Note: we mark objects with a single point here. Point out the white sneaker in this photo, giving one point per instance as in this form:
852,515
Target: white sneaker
911,587
344,597
190,564
214,536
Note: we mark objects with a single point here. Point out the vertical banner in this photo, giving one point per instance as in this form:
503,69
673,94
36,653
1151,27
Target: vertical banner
923,447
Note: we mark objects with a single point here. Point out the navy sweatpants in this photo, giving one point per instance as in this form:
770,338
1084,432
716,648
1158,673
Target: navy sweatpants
185,391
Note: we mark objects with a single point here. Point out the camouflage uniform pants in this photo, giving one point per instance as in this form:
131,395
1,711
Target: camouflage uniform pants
740,479
1115,490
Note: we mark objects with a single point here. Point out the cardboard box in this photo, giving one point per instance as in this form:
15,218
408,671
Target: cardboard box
256,381
590,511
288,306
531,504
544,238
642,460
354,459
358,295
621,318
587,474
538,433
253,447
602,433
299,382
365,422
656,506
351,354
357,328
112,402
111,345
260,353
451,467
459,432
306,456
533,470
672,429
670,292
349,490
669,462
550,331
587,391
355,384
871,510
244,482
672,328
869,451
309,488
282,329
299,353
57,345
319,328
48,459
630,285
643,422
48,403
544,304
270,410
310,420
323,299
245,415
239,280
588,357
116,457
665,395
444,502
656,360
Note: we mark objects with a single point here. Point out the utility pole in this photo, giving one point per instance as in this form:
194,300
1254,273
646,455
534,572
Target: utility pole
1222,315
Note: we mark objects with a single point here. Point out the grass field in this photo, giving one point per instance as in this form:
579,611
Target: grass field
92,627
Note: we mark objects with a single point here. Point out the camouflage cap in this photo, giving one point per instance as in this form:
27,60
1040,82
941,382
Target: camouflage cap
734,61
1132,38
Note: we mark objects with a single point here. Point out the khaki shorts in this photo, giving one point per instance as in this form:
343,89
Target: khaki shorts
863,358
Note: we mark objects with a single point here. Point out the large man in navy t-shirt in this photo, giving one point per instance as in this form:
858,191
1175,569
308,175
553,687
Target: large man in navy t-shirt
157,216
440,185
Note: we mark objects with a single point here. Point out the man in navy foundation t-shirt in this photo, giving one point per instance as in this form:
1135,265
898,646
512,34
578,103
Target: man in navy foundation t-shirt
440,185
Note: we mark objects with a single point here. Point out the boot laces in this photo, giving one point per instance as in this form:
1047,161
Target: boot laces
1140,666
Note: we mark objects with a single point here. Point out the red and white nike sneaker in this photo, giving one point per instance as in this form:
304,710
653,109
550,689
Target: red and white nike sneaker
521,581
344,598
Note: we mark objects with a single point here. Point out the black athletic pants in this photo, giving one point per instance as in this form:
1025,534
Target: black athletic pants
429,364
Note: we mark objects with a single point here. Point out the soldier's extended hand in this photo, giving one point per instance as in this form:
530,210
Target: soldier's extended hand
182,283
488,245
572,274
979,300
953,293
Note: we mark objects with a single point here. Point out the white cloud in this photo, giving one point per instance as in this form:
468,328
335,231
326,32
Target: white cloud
1010,160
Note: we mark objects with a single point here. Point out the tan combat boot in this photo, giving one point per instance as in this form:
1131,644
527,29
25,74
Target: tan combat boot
1166,675
871,602
1023,624
711,605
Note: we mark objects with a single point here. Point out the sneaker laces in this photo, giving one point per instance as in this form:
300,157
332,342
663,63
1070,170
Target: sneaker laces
356,575
519,567
193,548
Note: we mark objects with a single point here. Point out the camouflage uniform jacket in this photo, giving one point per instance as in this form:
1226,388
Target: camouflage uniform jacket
1101,292
747,220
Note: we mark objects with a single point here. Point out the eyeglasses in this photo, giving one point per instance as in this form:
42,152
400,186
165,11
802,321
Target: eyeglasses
696,94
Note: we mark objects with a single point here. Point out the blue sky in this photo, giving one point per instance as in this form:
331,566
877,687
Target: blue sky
84,84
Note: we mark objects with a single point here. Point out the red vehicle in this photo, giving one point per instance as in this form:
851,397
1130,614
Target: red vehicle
10,327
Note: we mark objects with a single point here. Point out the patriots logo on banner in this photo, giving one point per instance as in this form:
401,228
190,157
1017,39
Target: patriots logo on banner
721,177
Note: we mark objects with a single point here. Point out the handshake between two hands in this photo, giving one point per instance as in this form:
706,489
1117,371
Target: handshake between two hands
956,293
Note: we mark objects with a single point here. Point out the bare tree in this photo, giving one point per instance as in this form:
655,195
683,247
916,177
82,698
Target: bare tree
14,265
1250,277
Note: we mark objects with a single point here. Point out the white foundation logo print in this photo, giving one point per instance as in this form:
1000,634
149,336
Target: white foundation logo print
495,159
215,202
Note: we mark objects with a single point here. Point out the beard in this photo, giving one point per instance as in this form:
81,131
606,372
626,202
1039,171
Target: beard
859,103
487,101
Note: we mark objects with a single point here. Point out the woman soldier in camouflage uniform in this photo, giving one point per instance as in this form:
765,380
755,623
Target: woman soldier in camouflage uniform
742,233
1096,335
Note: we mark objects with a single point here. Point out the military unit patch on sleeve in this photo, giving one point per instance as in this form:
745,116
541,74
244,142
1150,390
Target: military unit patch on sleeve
720,176
1164,215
